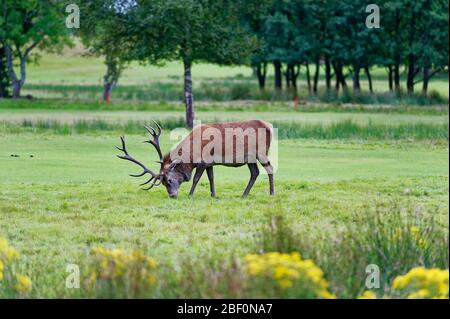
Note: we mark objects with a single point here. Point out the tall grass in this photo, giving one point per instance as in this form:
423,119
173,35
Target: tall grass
286,130
371,131
230,90
223,106
393,238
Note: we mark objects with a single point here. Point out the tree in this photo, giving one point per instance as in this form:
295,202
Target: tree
348,42
26,25
105,31
277,35
4,79
253,20
433,43
197,31
392,42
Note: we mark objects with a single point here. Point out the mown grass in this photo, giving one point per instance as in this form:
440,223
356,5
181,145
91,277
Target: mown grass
346,129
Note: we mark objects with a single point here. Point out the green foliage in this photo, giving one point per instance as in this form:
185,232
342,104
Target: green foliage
5,83
396,239
299,32
26,25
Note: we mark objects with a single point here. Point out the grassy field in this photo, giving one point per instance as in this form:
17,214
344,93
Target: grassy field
73,69
358,181
80,77
73,194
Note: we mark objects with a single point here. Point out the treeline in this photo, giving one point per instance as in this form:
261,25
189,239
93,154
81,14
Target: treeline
319,38
343,37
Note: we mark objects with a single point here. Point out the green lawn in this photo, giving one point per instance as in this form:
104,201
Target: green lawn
74,194
325,118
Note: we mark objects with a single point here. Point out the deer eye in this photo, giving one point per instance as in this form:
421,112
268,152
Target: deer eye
169,181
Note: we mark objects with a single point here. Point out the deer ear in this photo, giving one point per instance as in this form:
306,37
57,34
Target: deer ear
186,176
173,164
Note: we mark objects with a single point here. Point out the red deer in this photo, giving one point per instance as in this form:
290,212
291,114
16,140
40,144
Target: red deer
229,144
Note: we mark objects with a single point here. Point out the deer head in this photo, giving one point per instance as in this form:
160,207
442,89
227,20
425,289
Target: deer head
171,173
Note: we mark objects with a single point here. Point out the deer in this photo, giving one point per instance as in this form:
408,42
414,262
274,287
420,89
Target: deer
232,144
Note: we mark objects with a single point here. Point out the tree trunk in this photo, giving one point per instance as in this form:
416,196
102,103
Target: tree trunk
316,75
356,82
426,79
337,84
4,79
15,89
397,56
16,83
343,81
287,75
308,77
328,72
188,96
411,55
391,80
397,77
278,75
340,78
411,73
107,90
369,78
294,75
261,71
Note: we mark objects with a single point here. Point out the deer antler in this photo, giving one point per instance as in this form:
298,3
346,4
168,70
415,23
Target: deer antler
156,178
155,141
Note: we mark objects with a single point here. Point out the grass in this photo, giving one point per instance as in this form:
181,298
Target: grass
72,76
228,90
241,107
346,129
73,194
392,238
73,69
351,171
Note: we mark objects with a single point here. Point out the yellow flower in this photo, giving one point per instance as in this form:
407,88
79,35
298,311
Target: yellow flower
24,284
285,283
7,252
420,282
288,270
368,295
325,294
422,243
415,231
122,267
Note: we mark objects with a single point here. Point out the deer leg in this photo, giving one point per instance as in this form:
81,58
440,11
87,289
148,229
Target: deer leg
254,172
198,174
210,173
269,169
